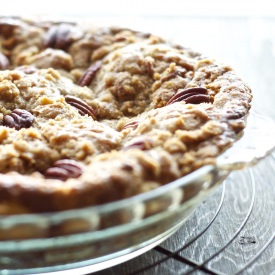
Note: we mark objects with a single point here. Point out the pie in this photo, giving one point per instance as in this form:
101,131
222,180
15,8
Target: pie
94,115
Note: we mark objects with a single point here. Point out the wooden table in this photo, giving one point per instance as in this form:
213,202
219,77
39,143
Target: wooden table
232,232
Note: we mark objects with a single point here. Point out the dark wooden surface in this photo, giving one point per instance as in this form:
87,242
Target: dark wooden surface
241,237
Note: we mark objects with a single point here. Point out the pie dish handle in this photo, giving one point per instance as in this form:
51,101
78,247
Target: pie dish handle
257,141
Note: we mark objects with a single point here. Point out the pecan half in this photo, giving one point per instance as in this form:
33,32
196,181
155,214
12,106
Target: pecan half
82,107
4,62
18,119
235,114
168,77
88,76
27,69
131,124
8,26
149,67
63,169
194,95
119,39
59,37
178,72
141,145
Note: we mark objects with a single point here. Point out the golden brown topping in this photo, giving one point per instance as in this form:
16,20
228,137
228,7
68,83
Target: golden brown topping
194,95
64,169
67,75
18,119
83,107
89,75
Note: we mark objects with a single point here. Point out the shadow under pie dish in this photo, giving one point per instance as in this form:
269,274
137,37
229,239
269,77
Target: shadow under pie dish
95,123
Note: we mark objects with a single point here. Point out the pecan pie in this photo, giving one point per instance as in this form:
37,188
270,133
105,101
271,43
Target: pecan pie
94,115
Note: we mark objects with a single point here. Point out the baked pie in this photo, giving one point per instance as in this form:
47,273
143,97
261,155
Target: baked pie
93,115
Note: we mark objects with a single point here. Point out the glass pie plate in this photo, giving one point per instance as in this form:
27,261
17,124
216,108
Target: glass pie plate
94,238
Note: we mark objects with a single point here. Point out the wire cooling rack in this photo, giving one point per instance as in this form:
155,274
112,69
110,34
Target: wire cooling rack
232,232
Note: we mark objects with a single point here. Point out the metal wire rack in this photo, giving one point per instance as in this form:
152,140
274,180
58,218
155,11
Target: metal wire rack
233,232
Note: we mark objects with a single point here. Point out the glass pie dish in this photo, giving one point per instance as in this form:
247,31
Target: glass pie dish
93,238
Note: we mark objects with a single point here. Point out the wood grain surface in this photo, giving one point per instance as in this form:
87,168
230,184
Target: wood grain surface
233,231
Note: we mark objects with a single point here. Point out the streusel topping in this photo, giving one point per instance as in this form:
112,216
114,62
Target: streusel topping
92,115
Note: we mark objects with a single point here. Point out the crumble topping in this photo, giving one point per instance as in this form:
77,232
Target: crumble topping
93,115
